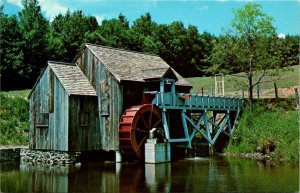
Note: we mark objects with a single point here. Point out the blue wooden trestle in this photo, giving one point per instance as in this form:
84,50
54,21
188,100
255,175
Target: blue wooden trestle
207,115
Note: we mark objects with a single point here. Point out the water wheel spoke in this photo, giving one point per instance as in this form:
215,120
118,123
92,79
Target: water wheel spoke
140,130
157,123
144,122
144,118
142,142
150,118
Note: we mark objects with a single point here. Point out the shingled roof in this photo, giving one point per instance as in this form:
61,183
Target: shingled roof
133,66
72,79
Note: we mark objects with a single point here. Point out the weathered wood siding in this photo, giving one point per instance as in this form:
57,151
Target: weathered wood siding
58,120
39,112
48,114
109,98
84,125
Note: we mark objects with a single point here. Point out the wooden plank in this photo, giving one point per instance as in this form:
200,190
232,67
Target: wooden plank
109,105
59,126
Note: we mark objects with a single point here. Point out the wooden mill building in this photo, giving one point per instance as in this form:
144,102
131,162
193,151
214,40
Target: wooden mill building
77,107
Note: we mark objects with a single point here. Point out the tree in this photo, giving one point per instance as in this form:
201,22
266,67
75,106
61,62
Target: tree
68,33
33,29
248,46
143,34
115,33
207,43
289,49
12,68
180,47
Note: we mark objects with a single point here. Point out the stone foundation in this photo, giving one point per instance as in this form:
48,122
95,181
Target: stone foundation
48,157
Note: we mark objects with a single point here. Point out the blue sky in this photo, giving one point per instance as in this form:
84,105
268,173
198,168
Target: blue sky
209,16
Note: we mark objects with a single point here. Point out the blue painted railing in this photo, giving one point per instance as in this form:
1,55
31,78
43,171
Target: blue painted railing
172,100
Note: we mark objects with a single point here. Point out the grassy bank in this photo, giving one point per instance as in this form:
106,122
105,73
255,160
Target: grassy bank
14,118
287,79
273,129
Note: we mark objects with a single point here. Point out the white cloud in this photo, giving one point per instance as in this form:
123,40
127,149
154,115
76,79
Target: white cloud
99,18
281,35
52,8
15,2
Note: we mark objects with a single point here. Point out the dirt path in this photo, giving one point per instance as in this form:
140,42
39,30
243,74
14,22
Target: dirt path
13,147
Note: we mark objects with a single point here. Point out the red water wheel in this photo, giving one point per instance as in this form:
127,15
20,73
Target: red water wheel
135,124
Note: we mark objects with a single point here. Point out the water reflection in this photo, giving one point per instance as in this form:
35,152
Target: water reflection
158,177
189,175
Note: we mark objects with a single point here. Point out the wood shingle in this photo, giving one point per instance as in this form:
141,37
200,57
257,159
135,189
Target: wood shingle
72,79
133,66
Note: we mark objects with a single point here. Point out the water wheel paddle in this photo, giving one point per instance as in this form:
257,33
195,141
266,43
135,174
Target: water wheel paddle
135,124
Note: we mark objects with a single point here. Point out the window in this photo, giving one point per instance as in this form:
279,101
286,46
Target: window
42,120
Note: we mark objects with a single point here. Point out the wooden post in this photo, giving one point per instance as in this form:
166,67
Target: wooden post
216,85
276,92
219,86
223,85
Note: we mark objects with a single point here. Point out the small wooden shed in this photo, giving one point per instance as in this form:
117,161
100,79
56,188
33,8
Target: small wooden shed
77,107
62,110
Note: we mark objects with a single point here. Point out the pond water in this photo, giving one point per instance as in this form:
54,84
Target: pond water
187,175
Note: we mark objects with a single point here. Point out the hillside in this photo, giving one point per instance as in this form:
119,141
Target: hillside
287,81
14,115
271,131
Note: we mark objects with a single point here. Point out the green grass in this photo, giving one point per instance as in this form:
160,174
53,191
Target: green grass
287,79
14,118
270,123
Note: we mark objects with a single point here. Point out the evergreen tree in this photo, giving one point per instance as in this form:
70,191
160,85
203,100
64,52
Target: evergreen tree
12,69
33,29
68,34
115,33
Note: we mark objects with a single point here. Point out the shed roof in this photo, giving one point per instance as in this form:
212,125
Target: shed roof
72,79
133,66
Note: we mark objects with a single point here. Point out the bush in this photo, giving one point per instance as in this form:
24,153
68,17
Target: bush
14,118
268,130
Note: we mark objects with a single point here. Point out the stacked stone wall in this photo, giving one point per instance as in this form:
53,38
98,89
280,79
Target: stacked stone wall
48,157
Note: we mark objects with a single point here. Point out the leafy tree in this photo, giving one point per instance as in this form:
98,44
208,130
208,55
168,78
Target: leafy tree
289,48
247,47
68,33
115,33
143,34
33,29
144,25
207,43
12,68
180,47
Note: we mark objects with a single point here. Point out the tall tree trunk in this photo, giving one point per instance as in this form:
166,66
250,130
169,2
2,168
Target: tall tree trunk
250,92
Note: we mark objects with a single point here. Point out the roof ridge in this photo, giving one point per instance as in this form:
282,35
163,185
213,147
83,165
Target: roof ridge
62,63
121,49
160,68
